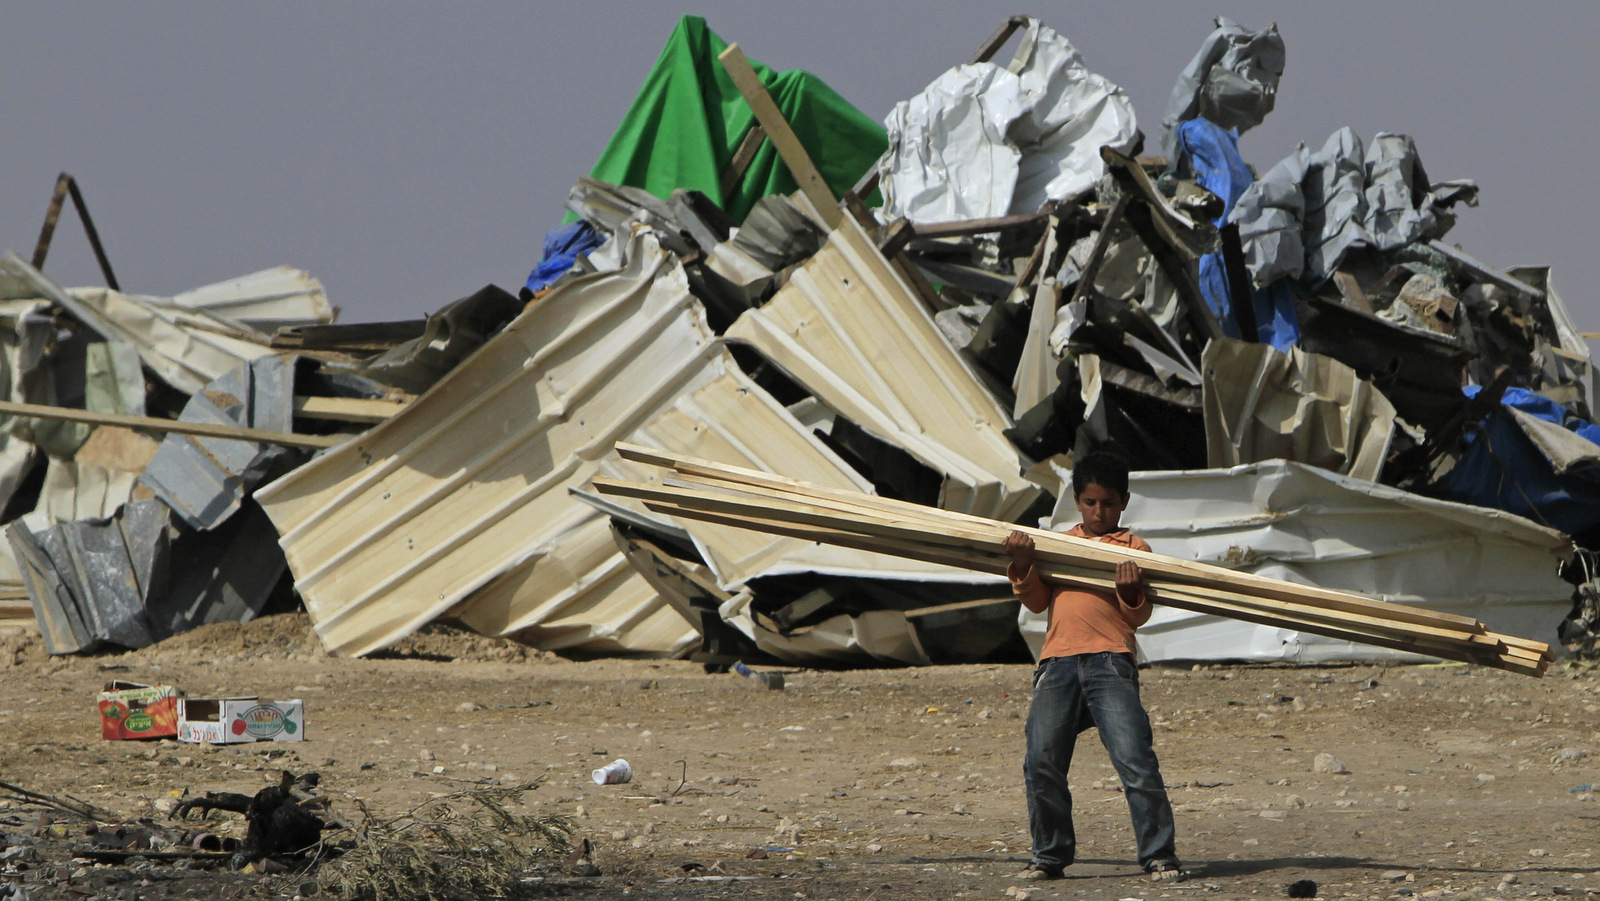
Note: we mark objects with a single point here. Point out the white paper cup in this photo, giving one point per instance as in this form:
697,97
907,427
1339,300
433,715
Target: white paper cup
617,771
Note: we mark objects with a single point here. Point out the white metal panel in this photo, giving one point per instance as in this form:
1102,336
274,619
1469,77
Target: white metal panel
465,491
265,300
1311,526
849,330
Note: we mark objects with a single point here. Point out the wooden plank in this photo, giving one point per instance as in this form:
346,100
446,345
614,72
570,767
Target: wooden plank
783,137
1350,289
171,426
961,227
960,544
1535,651
1174,567
742,157
1485,271
1097,253
959,606
1486,654
347,409
942,527
1240,289
994,42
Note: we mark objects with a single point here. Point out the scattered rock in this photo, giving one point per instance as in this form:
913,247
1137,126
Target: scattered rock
1394,876
904,763
1327,763
1302,888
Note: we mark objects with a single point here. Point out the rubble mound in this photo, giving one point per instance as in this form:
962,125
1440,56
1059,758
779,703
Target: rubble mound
441,641
20,647
284,636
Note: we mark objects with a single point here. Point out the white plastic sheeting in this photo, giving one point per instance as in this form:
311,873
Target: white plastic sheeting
1232,81
985,141
1311,526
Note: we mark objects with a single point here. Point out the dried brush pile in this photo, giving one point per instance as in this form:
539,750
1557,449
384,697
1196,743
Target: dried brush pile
467,844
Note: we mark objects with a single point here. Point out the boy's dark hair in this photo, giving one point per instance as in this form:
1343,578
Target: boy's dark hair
1103,468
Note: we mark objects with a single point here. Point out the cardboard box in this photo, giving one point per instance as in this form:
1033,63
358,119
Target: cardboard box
222,721
131,710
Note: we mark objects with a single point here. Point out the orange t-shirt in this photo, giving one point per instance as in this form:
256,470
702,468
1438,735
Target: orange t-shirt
1083,621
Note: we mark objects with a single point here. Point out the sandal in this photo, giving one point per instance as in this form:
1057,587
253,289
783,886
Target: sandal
1035,873
1166,871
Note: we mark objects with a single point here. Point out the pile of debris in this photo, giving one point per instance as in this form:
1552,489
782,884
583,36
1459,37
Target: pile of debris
1313,385
137,428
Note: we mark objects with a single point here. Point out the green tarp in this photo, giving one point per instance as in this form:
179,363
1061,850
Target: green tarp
688,120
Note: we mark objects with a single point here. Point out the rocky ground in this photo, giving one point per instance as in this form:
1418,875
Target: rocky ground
883,784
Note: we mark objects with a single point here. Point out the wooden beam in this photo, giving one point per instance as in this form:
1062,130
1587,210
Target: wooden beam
994,42
1097,253
783,137
347,409
960,227
1241,291
742,157
1485,271
751,499
171,426
1350,289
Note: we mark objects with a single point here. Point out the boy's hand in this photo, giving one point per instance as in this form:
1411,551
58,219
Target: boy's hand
1020,546
1130,583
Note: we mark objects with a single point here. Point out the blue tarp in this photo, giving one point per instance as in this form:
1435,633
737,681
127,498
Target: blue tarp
1503,469
1213,155
562,245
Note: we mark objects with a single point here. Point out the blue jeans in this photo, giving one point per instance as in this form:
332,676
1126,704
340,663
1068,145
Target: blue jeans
1070,694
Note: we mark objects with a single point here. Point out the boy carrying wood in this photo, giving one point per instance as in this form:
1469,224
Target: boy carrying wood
1087,676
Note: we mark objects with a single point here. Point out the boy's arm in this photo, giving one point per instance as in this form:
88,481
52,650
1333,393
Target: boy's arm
1025,581
1135,603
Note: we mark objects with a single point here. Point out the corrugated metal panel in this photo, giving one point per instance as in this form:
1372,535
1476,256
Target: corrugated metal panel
849,330
1311,526
89,581
204,480
465,491
187,358
265,300
732,420
463,504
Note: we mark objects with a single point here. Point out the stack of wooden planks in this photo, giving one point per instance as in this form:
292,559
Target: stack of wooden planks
749,499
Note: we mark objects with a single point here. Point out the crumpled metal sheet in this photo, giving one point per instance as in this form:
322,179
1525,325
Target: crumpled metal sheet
1309,210
731,420
1308,525
184,356
1264,405
264,301
460,502
984,141
89,580
450,336
204,480
1232,80
847,329
1566,450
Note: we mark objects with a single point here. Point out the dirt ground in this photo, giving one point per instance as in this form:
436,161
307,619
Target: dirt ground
1463,783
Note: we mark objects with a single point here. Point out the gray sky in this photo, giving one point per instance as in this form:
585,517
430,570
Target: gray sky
407,153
